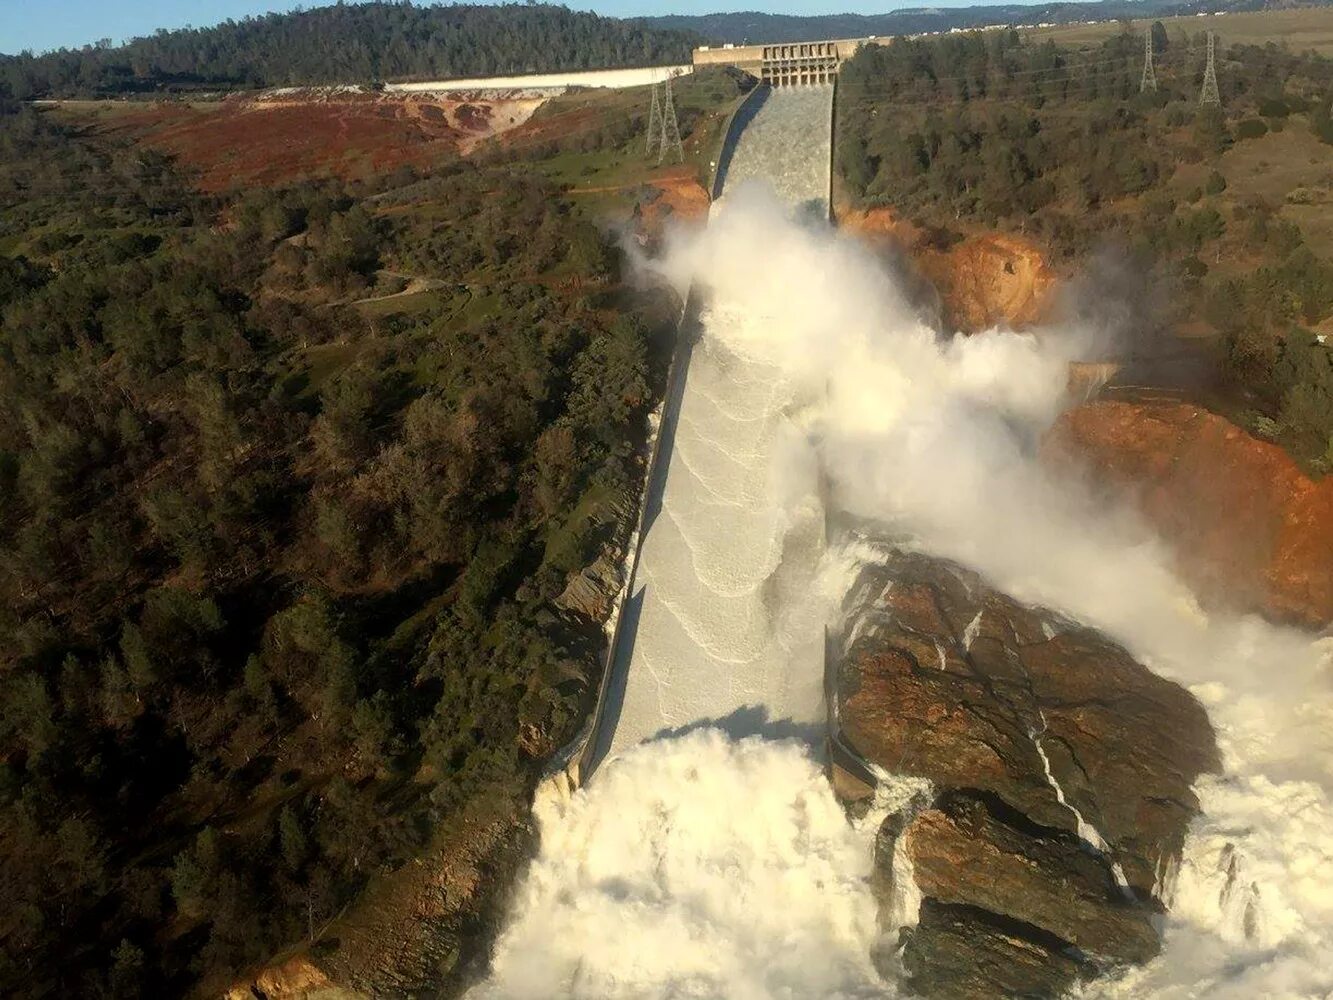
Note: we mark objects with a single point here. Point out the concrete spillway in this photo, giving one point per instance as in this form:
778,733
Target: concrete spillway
709,634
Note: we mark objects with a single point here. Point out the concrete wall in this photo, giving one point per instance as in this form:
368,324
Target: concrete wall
740,116
611,78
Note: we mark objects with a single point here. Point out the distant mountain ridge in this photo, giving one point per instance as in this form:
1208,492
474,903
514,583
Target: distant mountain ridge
756,26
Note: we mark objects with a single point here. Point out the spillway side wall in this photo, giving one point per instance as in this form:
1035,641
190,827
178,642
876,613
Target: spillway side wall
842,756
731,134
654,483
832,146
572,765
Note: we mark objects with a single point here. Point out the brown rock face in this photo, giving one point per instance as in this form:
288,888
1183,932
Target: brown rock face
962,855
1250,530
961,953
1062,770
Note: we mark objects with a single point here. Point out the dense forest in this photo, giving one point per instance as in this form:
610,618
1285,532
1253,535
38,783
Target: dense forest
997,131
754,27
345,44
279,564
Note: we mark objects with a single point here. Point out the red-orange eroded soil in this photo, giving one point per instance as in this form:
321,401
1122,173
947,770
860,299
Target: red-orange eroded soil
1251,531
278,137
983,280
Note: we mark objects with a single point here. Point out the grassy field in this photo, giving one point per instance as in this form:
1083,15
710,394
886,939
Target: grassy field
604,179
1290,170
1308,28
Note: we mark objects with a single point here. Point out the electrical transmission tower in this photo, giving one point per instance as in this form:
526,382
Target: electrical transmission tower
654,122
1149,81
670,127
1209,94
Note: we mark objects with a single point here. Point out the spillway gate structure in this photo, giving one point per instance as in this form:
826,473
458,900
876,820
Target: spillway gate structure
789,64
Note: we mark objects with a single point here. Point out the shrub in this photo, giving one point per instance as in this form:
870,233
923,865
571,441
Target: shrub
1274,107
1321,122
1215,184
1193,267
1251,128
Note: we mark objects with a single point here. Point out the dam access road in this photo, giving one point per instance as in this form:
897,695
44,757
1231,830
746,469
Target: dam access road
708,635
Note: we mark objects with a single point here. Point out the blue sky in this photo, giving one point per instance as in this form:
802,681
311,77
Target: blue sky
48,24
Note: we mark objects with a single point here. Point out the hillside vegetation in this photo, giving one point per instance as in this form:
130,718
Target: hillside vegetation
1227,209
755,27
347,43
281,540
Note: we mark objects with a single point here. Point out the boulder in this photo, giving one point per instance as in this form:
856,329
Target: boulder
1062,768
591,592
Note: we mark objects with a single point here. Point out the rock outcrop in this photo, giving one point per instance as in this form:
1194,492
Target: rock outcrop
591,592
295,979
1196,476
1061,768
961,953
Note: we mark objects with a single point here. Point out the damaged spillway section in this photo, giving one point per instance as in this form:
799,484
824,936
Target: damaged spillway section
718,628
1062,772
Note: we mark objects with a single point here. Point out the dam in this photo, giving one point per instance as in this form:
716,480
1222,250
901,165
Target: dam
716,629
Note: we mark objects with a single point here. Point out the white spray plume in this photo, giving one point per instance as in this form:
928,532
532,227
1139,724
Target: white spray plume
696,867
701,868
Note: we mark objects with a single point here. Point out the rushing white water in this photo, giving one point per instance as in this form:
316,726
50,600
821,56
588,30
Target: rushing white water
696,867
700,866
726,623
937,439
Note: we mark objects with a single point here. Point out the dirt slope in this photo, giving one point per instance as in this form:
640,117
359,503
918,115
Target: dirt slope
280,136
983,280
1251,530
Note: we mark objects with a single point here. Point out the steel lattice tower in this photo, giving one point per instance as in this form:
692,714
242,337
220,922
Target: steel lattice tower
1149,81
654,123
1209,94
670,127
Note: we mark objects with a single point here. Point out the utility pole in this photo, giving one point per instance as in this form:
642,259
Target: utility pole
1209,94
1149,81
670,127
654,122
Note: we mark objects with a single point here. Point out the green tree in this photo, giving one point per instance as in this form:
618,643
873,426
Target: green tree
126,981
30,713
292,839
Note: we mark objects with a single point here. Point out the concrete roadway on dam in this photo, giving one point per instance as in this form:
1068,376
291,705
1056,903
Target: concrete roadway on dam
718,627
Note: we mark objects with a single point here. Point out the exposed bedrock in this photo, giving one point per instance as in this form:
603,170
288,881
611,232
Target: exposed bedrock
1062,771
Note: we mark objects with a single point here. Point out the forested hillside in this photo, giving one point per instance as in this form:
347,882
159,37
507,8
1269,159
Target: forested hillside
279,552
1229,209
753,27
348,43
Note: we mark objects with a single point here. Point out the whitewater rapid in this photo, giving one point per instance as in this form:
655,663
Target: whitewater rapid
702,865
